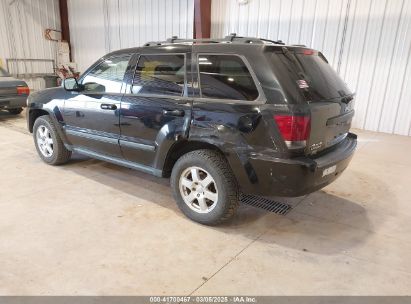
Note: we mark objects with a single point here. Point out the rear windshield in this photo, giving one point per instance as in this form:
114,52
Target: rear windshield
3,73
308,75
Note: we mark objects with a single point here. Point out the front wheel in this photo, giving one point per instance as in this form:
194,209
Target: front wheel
204,187
48,143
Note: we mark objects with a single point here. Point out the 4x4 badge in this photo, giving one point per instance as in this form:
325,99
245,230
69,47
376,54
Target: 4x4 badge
316,146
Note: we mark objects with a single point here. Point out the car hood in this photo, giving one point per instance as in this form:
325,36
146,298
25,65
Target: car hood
44,96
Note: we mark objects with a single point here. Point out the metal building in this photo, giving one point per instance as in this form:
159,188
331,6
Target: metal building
24,51
367,41
101,26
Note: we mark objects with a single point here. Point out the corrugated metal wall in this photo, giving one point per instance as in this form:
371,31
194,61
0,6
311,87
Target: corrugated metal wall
22,25
100,26
367,41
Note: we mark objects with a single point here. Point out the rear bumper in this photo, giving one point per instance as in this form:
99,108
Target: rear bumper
12,102
270,176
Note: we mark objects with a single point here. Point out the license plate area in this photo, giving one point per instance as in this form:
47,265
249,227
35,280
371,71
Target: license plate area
329,170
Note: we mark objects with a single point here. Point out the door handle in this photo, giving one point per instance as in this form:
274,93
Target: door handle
178,113
106,106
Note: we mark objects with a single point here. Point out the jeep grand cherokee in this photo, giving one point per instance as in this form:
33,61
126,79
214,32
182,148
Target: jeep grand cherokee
220,116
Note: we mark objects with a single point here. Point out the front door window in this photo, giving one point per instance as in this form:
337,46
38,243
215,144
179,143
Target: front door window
107,77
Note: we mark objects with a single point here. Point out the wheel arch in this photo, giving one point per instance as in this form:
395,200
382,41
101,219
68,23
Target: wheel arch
33,115
54,115
183,147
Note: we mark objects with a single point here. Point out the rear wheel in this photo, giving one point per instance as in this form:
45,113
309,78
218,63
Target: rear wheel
204,187
16,111
48,143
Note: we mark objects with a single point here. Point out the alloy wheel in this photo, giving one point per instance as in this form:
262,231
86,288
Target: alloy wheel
45,141
198,189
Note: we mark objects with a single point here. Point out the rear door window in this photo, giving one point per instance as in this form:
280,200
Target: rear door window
160,75
225,77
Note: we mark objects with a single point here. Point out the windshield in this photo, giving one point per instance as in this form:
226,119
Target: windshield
310,74
3,73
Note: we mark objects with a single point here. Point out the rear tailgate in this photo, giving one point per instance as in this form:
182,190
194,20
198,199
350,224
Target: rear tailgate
330,123
329,101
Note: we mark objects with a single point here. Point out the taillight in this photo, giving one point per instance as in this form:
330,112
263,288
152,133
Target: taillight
295,130
23,91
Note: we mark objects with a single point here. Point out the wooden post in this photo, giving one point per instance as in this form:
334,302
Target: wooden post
202,19
65,28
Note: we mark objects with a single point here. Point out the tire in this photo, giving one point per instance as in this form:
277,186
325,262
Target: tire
55,153
16,111
223,190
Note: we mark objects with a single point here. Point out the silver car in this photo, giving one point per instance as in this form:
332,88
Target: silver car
13,93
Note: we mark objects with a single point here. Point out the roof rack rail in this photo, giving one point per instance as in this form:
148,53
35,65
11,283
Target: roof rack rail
232,38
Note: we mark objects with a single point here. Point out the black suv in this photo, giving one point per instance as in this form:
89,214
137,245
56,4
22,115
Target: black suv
222,117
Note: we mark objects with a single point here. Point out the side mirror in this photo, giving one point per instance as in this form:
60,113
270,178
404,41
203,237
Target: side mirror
70,84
